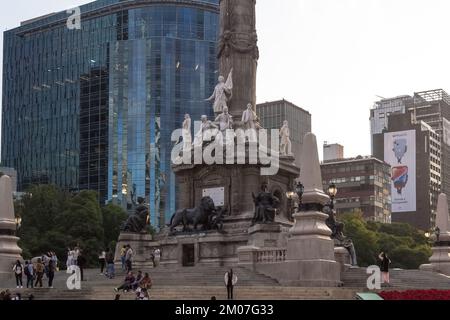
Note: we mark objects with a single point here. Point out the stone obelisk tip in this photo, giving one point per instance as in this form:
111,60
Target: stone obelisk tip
310,174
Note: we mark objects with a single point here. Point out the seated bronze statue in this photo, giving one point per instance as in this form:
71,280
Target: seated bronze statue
266,205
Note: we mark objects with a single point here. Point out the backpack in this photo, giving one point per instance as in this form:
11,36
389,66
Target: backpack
27,271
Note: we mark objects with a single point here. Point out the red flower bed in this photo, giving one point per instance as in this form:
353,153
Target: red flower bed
416,295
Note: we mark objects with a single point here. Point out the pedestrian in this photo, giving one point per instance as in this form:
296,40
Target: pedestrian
129,259
384,267
230,281
69,258
123,253
18,272
30,274
110,272
157,257
127,283
102,261
76,253
51,273
81,262
55,260
137,281
39,273
146,282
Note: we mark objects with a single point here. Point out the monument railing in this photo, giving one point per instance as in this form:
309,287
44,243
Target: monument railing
270,255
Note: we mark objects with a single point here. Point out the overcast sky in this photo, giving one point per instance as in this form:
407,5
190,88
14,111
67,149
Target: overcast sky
331,57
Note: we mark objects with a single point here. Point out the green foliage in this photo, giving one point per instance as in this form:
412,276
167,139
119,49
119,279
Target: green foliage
113,218
406,246
53,220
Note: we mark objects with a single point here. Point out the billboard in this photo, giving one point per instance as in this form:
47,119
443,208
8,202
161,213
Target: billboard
446,131
400,153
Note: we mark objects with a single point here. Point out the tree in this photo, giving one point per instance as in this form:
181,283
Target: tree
113,218
406,246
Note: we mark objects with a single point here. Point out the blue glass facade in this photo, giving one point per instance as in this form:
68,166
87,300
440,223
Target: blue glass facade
95,108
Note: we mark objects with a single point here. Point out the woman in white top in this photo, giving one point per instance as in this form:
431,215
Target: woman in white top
69,258
102,261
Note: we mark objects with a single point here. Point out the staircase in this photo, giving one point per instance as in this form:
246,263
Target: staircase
175,283
400,279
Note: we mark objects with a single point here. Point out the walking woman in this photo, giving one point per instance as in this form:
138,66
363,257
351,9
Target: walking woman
384,266
18,271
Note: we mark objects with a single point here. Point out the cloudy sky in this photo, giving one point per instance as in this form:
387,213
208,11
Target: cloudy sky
331,57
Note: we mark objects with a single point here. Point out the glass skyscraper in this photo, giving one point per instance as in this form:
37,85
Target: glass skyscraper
94,108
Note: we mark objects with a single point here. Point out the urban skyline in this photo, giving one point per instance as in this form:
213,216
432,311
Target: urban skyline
348,80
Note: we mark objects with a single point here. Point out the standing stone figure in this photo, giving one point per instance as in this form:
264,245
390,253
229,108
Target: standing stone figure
286,144
250,121
222,93
225,122
201,134
187,137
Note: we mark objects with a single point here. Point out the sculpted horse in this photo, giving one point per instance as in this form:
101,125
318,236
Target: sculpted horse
195,217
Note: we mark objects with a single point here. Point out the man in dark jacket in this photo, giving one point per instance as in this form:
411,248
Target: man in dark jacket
81,262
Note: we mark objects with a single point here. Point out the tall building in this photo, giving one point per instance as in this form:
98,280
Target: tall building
432,107
413,150
332,151
272,115
363,185
94,108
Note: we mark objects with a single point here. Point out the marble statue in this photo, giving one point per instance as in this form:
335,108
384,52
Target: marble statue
137,222
224,122
251,122
202,133
266,205
286,144
187,137
222,93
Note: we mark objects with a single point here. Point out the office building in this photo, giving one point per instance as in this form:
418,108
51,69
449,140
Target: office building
332,151
413,149
94,108
363,185
432,107
273,114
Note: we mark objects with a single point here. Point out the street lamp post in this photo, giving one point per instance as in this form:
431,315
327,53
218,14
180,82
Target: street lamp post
296,195
332,192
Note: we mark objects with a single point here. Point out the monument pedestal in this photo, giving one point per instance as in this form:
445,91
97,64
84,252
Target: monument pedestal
265,235
9,250
439,261
342,256
141,243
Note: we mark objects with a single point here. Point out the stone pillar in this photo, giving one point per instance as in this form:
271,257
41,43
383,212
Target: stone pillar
440,260
238,50
310,250
9,250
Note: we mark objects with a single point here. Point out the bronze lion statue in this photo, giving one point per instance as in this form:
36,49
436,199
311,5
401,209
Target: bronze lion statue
195,217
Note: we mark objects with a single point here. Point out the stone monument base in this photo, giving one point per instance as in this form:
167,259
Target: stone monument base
342,257
141,243
266,236
439,261
9,254
312,273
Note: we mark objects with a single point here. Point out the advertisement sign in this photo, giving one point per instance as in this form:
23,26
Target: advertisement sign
400,153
